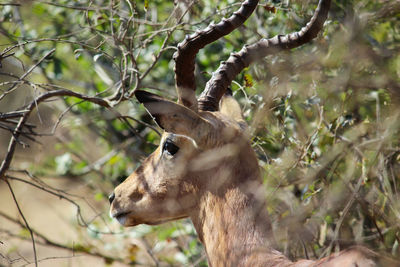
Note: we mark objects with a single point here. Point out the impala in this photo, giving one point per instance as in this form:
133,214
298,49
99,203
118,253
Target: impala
205,167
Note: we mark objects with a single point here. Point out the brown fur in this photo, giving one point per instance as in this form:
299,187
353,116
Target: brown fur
214,180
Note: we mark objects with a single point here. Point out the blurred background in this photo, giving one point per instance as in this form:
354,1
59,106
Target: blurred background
324,121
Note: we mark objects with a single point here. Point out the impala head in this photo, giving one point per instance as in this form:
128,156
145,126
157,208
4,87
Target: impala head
194,147
204,146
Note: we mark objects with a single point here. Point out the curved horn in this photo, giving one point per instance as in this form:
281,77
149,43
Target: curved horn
227,71
188,48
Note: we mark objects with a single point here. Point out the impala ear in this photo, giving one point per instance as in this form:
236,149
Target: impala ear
173,117
230,107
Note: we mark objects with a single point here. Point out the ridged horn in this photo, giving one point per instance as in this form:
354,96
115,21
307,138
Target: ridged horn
227,71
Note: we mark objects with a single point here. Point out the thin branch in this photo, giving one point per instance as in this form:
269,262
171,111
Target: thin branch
10,4
83,8
63,92
25,222
47,242
141,122
12,114
29,71
61,195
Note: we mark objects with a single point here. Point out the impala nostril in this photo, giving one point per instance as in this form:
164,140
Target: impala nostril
111,197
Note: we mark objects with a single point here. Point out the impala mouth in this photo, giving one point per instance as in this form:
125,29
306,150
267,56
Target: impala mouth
120,217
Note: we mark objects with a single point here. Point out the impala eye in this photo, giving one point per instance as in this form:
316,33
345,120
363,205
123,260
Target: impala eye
170,147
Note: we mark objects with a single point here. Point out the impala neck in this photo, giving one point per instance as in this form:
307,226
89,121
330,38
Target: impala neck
233,224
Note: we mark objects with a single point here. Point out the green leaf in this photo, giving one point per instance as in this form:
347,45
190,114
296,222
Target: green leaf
99,196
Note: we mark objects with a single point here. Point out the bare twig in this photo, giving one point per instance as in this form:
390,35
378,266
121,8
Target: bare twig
25,222
83,8
29,71
11,148
10,4
44,240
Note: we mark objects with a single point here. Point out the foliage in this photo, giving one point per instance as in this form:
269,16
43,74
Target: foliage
324,117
